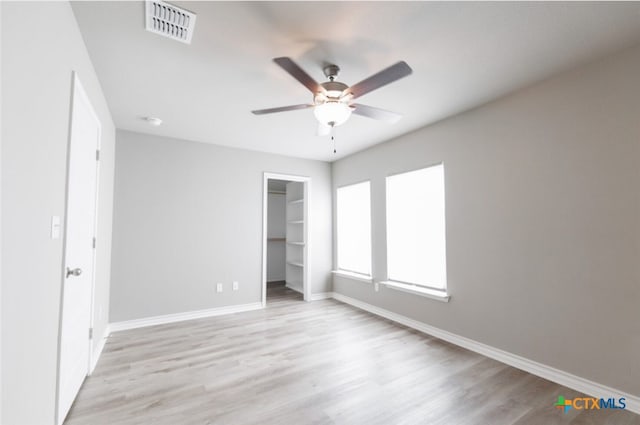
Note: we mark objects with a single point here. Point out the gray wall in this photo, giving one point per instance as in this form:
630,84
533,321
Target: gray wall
188,215
1,133
543,221
41,46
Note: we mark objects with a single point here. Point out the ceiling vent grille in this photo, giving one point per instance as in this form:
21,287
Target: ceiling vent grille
171,21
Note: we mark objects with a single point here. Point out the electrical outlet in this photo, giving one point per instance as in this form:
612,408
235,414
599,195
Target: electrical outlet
235,285
218,287
376,286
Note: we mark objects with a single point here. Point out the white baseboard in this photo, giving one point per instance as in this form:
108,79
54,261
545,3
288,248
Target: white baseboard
555,375
321,296
179,317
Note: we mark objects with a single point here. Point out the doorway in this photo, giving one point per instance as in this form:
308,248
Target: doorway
285,245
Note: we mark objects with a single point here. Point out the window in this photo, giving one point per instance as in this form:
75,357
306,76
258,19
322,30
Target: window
415,228
354,228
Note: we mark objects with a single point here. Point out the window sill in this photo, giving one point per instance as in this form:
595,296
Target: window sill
434,294
355,276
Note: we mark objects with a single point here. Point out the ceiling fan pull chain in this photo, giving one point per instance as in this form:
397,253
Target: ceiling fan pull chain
333,139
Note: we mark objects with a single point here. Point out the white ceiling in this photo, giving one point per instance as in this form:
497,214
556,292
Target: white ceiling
462,55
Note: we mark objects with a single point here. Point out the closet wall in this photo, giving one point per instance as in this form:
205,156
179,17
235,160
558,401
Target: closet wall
276,233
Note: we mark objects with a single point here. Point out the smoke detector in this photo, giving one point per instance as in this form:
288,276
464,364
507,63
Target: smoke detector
169,20
154,121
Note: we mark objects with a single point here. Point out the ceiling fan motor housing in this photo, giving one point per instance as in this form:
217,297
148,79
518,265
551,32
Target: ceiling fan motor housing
333,91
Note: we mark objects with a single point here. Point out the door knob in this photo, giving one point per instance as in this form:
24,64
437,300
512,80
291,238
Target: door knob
74,272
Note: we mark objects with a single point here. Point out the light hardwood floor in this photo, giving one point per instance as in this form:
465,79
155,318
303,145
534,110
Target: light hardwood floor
311,363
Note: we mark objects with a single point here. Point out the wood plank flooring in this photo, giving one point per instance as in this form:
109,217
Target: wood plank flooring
311,363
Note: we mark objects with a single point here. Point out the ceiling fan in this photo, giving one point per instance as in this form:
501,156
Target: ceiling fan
332,100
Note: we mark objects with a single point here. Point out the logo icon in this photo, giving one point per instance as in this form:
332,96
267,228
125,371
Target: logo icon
563,404
589,403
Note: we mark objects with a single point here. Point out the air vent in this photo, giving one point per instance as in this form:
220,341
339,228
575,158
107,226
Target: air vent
171,21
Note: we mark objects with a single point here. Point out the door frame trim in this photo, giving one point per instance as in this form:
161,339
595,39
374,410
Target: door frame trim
306,281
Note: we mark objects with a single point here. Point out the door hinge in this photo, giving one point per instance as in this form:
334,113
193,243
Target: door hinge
90,333
97,154
94,243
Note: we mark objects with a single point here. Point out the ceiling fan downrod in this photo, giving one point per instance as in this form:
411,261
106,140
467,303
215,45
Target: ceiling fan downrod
331,71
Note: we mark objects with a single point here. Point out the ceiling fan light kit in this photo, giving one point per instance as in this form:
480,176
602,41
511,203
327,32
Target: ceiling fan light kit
332,113
332,100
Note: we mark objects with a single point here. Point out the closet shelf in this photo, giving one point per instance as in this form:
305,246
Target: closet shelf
276,239
294,263
296,243
296,222
296,201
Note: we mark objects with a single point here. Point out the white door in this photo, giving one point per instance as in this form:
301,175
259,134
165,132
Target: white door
79,251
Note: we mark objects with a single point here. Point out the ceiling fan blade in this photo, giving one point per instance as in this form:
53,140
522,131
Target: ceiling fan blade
281,109
382,78
323,130
376,113
298,73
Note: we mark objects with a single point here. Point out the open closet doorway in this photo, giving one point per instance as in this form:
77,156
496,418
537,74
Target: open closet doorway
285,244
